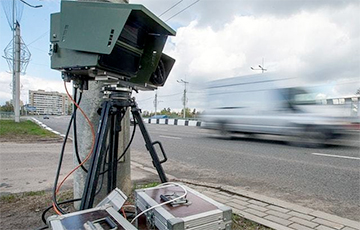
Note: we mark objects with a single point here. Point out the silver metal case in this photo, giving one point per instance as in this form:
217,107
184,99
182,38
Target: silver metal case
203,213
79,220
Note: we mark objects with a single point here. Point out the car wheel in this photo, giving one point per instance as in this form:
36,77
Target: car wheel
224,132
313,137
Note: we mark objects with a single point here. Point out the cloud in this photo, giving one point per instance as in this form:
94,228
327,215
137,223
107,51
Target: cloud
27,83
319,46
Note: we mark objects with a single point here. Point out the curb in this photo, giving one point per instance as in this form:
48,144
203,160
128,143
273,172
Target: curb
267,211
47,127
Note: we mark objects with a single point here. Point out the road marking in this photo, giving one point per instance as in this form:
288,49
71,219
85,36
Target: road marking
328,155
169,137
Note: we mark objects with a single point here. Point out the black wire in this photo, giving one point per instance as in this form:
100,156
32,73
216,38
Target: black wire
60,161
131,140
182,10
170,8
75,135
48,208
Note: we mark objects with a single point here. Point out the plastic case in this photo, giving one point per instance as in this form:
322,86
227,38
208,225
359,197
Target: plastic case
200,213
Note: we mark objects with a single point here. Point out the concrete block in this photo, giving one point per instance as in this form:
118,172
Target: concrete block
255,212
328,223
337,219
240,202
278,220
278,214
262,204
304,222
256,207
279,209
322,227
236,206
299,227
302,216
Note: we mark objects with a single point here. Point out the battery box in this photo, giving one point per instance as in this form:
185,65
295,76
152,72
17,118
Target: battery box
196,212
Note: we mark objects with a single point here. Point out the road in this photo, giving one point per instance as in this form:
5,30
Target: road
326,179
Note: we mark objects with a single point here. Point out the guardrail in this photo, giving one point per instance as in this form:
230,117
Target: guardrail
170,121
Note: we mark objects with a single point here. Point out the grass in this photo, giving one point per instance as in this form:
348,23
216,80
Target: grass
240,223
10,198
11,129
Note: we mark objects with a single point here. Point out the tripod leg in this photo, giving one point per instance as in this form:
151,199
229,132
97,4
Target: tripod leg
149,144
96,159
115,128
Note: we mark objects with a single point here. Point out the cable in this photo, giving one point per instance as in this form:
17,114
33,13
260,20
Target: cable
167,202
60,163
182,10
56,190
75,132
61,203
131,140
47,32
170,8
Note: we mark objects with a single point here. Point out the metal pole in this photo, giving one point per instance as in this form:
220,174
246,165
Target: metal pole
17,73
184,97
13,55
156,102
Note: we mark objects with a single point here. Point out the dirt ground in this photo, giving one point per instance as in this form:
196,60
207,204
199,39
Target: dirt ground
23,210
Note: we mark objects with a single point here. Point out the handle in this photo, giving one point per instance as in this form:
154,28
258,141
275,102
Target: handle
162,151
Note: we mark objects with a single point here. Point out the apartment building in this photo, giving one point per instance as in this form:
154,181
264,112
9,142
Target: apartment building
53,103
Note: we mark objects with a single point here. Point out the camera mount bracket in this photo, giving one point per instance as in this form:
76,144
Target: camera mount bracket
113,109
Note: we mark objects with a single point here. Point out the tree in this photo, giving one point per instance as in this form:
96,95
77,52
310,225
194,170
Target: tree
8,107
358,91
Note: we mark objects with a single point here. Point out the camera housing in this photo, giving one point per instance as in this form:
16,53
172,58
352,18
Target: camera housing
110,41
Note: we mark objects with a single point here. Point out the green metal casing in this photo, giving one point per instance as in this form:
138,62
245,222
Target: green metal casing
124,39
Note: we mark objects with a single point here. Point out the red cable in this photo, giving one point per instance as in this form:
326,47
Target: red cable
89,154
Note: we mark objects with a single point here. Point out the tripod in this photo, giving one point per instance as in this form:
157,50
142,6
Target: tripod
112,112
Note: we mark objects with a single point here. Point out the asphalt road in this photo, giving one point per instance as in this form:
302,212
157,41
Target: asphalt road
326,179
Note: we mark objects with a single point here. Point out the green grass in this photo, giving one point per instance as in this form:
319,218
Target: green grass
10,198
149,185
9,128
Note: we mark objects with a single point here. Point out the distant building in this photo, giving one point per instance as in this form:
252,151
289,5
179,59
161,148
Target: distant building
53,103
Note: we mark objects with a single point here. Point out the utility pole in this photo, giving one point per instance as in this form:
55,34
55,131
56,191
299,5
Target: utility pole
155,102
184,96
91,101
19,56
16,72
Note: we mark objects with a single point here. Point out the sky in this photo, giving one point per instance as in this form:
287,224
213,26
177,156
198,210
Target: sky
318,41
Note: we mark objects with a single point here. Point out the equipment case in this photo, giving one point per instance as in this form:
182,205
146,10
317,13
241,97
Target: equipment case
103,217
200,212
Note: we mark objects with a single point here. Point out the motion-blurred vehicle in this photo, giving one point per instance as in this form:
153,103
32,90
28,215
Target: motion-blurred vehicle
46,117
267,104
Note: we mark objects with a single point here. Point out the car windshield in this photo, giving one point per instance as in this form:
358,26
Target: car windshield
300,96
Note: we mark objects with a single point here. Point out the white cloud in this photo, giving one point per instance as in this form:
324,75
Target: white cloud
311,44
27,83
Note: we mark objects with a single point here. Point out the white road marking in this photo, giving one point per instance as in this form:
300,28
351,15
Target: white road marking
328,155
169,137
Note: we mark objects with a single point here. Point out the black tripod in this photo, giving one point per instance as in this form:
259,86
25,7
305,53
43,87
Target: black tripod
112,112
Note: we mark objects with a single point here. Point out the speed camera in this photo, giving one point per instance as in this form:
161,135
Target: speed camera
119,41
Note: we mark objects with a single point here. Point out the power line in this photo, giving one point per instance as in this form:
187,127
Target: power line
39,37
170,8
182,10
